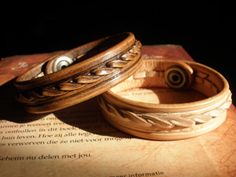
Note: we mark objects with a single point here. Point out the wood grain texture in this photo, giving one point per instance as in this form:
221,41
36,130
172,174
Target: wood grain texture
14,66
162,121
79,74
212,154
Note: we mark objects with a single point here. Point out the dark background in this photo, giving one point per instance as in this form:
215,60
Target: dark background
203,28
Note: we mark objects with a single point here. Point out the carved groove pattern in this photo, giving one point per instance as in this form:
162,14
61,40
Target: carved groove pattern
165,121
91,77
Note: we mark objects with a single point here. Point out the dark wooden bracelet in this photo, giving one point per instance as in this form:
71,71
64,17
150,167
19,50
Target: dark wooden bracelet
79,74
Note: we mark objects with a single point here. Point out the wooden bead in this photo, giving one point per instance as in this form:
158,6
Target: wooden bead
179,76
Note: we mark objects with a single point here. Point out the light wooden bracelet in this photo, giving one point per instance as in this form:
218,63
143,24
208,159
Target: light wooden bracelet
196,99
79,74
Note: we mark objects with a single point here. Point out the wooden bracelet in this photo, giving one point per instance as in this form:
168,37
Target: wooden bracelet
168,100
79,74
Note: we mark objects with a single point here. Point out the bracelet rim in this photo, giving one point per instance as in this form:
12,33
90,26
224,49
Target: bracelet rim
120,59
163,107
52,77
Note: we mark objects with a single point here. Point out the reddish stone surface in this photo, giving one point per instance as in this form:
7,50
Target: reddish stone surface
11,67
166,51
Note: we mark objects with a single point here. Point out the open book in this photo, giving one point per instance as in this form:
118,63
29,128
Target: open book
77,141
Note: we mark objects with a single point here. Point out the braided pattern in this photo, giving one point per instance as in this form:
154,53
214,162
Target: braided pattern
85,80
162,121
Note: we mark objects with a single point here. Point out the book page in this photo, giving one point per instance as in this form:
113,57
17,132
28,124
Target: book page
79,142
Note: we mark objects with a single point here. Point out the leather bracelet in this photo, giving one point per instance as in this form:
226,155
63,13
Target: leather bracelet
79,74
168,100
